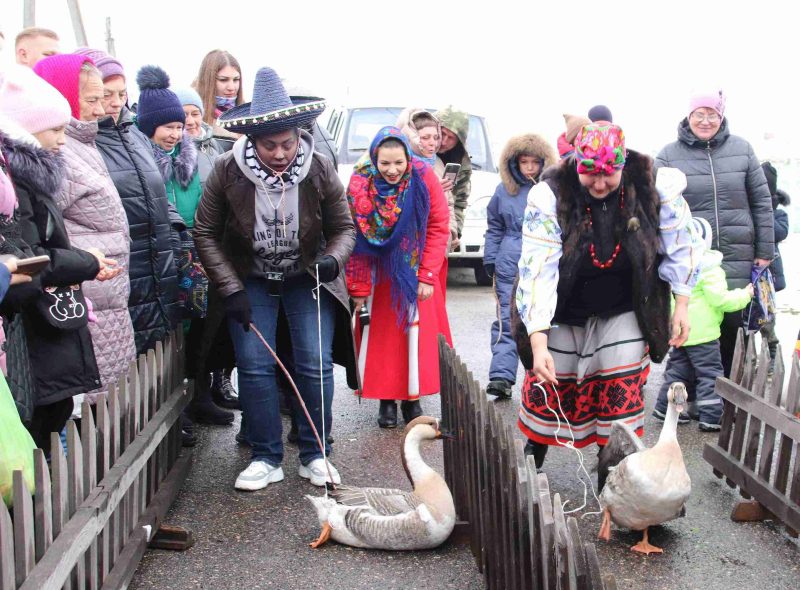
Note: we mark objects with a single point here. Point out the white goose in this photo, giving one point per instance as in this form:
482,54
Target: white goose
380,518
644,487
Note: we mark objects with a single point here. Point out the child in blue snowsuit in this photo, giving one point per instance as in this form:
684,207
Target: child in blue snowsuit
521,164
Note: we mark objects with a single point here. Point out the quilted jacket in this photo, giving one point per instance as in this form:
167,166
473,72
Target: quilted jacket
727,188
94,217
153,277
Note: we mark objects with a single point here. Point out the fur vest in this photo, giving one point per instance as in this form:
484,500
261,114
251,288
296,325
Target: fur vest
637,226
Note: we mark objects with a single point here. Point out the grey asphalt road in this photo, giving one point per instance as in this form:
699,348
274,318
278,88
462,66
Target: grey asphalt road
259,540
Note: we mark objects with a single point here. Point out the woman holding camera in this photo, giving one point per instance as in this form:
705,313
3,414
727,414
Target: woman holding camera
424,133
402,223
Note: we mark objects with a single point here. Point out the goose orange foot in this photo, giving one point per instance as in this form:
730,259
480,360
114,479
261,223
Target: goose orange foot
324,536
645,547
605,527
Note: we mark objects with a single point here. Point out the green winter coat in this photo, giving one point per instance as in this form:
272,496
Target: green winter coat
711,299
458,123
181,177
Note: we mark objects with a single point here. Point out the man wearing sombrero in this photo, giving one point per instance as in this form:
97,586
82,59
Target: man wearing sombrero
272,220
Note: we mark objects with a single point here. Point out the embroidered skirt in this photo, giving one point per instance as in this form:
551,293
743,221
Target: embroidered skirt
601,369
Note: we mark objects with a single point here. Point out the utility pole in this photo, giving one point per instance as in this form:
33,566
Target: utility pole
77,23
29,14
109,39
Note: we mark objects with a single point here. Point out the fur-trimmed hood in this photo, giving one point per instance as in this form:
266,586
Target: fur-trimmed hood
529,144
37,169
182,167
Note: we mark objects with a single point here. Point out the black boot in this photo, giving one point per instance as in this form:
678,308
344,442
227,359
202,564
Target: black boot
538,450
294,435
387,414
500,388
241,436
203,410
222,391
410,410
188,437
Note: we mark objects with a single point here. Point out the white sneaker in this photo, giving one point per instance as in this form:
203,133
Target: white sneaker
258,475
317,474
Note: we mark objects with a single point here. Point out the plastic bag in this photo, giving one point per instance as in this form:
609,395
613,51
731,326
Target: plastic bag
16,446
762,308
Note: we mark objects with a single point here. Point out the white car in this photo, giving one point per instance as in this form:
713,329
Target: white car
353,129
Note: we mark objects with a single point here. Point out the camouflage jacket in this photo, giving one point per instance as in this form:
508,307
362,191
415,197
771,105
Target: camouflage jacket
458,123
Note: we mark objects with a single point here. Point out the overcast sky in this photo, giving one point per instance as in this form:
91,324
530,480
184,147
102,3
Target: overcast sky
520,64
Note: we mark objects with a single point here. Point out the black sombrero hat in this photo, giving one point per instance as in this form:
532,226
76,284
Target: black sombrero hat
271,110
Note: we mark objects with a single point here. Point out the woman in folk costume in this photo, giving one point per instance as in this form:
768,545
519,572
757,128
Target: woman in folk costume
602,247
402,223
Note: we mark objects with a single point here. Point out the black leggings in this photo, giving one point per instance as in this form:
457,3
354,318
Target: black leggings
47,419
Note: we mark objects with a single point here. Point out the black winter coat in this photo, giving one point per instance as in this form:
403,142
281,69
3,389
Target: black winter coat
781,233
154,281
727,187
62,361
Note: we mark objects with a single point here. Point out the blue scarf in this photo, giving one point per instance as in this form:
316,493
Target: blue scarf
391,220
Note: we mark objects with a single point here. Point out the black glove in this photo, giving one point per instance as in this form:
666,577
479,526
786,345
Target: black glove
489,268
328,268
237,306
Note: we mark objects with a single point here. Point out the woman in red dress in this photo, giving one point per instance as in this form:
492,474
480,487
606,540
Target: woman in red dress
402,222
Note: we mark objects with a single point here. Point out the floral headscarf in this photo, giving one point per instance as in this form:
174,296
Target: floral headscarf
600,149
391,220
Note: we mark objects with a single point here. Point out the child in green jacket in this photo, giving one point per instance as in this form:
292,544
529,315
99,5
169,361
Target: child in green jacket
698,363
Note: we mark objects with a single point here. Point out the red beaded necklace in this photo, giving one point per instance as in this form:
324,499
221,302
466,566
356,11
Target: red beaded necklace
610,262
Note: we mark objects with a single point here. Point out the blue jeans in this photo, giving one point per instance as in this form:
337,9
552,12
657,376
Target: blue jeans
258,391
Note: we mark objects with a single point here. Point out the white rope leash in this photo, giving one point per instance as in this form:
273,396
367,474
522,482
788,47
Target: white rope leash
317,294
570,444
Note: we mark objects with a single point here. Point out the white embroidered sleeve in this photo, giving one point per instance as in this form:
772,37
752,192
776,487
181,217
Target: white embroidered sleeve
679,244
538,265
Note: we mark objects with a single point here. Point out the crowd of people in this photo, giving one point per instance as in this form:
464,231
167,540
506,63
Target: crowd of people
195,210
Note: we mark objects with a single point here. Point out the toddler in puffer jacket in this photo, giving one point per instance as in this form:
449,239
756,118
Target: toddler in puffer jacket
698,362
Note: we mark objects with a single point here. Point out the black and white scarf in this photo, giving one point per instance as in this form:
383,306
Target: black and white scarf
270,178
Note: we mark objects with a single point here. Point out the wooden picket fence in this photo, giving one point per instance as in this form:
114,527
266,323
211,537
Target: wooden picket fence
518,533
96,507
760,435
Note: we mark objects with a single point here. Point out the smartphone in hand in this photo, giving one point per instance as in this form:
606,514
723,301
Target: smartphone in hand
451,171
32,266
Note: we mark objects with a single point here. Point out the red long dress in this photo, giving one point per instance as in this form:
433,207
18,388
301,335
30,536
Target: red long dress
386,367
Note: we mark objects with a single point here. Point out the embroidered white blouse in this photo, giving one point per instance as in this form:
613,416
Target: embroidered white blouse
679,244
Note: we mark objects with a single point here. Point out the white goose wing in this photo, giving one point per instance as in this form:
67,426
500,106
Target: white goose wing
403,531
381,501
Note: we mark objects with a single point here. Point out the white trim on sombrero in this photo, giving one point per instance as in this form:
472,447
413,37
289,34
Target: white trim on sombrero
278,115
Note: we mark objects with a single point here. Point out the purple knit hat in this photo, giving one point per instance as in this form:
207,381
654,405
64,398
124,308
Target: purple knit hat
108,65
714,99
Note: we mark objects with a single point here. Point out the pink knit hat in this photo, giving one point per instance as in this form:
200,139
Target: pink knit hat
30,101
63,71
714,99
